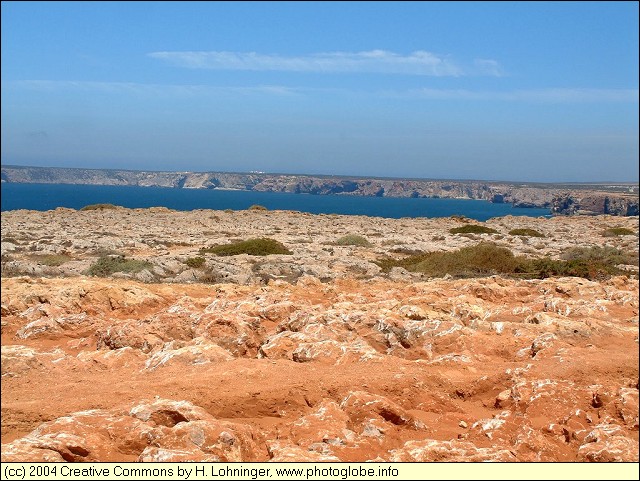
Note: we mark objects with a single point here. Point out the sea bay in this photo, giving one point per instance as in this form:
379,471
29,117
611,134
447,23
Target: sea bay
44,197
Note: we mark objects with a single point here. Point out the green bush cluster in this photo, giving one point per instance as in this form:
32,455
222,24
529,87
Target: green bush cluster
526,232
99,207
488,259
603,255
107,265
481,259
254,247
353,240
473,229
257,207
195,262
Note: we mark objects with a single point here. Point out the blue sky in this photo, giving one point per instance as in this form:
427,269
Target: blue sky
540,91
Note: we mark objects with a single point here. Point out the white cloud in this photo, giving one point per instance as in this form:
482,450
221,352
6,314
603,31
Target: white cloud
373,61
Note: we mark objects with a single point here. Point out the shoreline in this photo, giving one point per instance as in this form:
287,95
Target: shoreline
564,198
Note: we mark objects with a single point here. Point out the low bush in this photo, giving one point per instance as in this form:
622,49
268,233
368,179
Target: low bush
526,232
257,207
482,259
254,247
546,267
195,262
110,264
604,255
473,229
488,259
353,240
99,207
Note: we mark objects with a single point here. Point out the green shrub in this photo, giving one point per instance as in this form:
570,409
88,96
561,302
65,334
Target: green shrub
546,267
51,260
195,262
99,207
254,247
353,240
616,231
257,207
604,255
482,259
107,265
526,232
473,229
487,259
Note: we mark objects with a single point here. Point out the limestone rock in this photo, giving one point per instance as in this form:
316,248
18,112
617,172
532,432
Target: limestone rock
431,450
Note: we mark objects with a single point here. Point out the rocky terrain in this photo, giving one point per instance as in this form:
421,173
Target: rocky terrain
569,199
320,355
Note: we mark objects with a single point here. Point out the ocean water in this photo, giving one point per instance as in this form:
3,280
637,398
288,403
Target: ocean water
44,197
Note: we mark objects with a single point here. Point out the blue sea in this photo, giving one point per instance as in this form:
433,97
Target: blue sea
49,196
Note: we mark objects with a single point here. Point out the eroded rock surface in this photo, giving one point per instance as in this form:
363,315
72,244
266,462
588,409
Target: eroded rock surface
318,356
348,370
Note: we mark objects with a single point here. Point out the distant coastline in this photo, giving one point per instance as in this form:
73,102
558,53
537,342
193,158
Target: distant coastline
564,198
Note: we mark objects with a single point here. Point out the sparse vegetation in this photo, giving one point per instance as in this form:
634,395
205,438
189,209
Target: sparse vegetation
604,255
211,277
481,259
51,260
195,262
488,259
617,231
473,229
110,264
99,207
353,240
526,232
547,267
254,247
6,270
257,207
105,252
406,251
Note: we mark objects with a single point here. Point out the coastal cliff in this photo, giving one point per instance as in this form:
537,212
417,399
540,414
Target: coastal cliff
591,203
569,199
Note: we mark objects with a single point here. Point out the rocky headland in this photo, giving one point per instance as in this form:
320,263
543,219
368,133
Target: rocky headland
567,199
317,354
